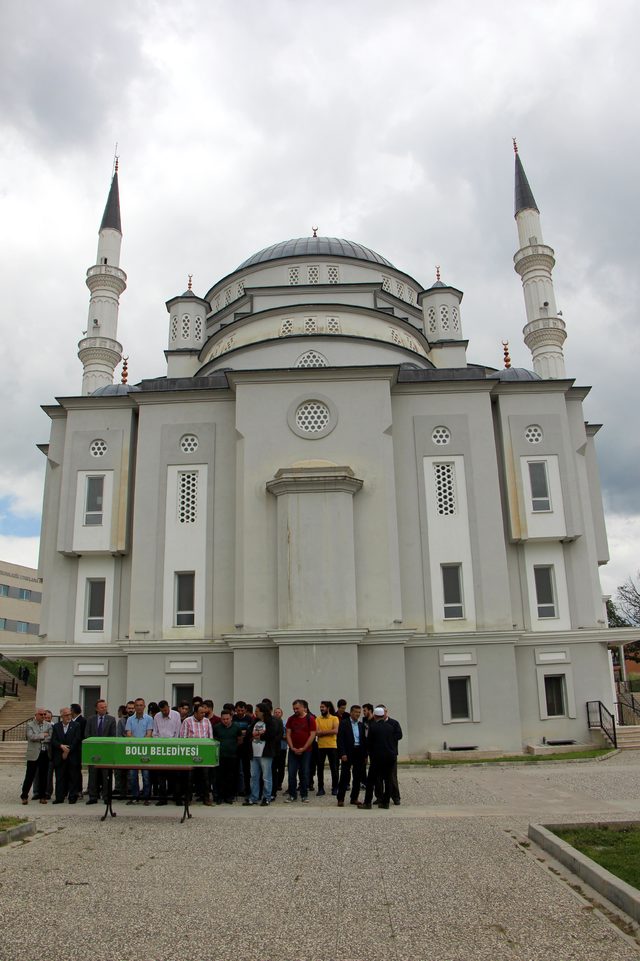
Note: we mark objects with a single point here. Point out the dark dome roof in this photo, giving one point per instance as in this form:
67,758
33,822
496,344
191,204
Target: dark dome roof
315,246
514,373
114,390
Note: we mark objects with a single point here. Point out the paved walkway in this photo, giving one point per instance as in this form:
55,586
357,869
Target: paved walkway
444,877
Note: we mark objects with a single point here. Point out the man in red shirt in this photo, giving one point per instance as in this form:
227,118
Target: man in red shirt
301,733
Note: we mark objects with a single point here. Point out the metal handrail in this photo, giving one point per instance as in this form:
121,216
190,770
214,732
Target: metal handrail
627,708
9,688
599,716
16,733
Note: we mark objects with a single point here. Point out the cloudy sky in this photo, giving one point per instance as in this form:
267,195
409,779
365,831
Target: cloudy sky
239,125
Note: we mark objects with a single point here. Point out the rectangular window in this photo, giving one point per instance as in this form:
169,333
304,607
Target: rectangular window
94,501
22,627
95,604
4,590
540,499
185,599
3,623
545,592
24,594
452,590
554,694
460,698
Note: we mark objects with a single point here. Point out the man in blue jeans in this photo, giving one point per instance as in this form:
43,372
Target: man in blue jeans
301,733
140,724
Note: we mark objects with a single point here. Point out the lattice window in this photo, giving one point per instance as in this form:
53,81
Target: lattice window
333,325
386,284
240,290
218,302
445,488
198,328
411,296
294,276
431,314
189,443
533,433
188,497
412,344
333,274
98,447
314,274
396,338
228,344
310,326
286,328
174,328
455,318
399,290
227,296
311,358
312,417
186,326
441,435
444,317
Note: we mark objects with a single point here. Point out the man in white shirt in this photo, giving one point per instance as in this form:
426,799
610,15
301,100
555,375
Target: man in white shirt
166,723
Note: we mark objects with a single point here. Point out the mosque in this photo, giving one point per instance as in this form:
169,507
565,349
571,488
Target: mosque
322,496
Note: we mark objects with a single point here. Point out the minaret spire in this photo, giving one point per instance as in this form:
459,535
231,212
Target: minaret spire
99,351
544,332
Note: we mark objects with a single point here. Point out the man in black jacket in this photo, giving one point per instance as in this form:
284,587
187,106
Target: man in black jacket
101,724
382,746
66,743
352,754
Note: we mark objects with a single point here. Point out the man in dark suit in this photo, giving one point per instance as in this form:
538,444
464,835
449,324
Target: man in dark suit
102,724
65,750
352,754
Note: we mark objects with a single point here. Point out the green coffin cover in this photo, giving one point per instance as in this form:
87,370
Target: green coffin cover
152,752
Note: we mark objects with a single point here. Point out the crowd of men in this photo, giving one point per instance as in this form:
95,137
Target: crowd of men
357,748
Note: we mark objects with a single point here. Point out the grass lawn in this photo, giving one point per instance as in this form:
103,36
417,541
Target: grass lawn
516,758
616,849
10,822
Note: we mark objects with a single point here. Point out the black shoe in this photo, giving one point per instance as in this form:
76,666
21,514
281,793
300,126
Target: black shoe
364,806
58,802
72,800
92,800
161,803
384,806
396,801
264,803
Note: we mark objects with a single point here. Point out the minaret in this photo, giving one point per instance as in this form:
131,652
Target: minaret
544,332
99,351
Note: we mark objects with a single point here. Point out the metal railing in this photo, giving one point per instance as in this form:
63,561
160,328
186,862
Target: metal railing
9,688
627,708
16,733
599,716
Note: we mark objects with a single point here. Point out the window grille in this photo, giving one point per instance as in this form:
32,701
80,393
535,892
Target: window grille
188,497
333,325
286,328
441,435
311,358
186,327
333,275
98,447
312,417
294,276
444,477
198,328
189,443
314,274
533,433
174,328
310,326
444,317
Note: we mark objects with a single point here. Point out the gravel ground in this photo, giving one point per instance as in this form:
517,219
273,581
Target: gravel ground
441,878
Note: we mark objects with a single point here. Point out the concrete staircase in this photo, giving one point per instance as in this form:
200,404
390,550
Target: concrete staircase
14,711
628,736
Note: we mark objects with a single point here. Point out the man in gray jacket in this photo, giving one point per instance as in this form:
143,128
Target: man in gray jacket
38,734
102,724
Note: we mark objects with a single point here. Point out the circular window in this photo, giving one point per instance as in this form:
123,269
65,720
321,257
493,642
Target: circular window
533,433
312,417
98,447
188,444
441,435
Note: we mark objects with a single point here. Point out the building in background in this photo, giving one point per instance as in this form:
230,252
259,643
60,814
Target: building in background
325,494
20,601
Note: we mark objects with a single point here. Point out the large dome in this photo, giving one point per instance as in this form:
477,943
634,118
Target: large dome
310,246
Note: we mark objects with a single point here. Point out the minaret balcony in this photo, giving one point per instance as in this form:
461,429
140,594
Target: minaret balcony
103,276
531,257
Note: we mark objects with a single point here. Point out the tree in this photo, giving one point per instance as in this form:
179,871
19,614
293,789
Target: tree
614,617
628,601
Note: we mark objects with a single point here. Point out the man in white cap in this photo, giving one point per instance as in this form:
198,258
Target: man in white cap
382,746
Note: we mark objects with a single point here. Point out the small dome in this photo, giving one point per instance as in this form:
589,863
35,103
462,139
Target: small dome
315,247
514,373
114,390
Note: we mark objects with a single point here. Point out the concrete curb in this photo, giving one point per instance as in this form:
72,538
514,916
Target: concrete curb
17,833
620,893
